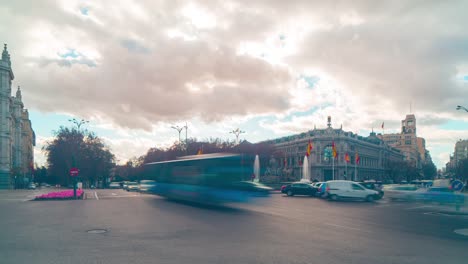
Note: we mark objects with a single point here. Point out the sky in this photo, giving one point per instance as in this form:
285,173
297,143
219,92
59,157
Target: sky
270,68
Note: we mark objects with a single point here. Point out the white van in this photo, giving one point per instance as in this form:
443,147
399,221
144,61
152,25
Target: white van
336,190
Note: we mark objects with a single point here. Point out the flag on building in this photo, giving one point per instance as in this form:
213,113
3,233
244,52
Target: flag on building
309,148
347,158
357,159
335,153
383,125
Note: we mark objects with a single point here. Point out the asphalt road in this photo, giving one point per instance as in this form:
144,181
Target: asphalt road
147,229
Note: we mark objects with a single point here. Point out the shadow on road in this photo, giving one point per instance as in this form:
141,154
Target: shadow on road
223,208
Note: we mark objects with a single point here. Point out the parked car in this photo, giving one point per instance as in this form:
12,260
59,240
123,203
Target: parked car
132,186
146,185
114,185
299,188
406,192
373,186
32,186
124,185
340,189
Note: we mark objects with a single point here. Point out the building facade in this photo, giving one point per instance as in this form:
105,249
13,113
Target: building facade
17,138
460,152
375,157
411,146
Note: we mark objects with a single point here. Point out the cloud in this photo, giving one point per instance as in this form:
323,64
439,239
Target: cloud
133,73
137,64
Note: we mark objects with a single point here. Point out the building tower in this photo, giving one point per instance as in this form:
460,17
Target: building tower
17,138
6,77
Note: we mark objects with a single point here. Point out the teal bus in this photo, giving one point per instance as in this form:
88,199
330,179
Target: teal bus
208,178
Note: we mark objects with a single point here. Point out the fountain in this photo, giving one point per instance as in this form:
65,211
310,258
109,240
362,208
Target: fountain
305,170
256,169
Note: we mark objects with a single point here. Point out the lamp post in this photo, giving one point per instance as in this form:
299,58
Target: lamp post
462,108
179,129
78,123
237,132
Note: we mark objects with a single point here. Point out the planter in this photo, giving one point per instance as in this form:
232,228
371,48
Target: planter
62,195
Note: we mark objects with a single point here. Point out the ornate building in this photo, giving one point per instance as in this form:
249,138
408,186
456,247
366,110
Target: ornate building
16,135
373,163
412,147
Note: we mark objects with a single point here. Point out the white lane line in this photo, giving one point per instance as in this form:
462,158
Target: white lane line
347,227
95,195
113,193
418,207
463,232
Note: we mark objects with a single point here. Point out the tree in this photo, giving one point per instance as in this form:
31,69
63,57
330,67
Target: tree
462,170
429,170
81,149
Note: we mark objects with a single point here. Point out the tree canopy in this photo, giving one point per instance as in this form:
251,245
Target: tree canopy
72,147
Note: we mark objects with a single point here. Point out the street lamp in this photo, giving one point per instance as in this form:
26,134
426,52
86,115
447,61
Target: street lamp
78,123
179,129
237,132
462,107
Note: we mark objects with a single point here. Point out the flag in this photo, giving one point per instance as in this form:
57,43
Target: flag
383,125
285,162
357,159
346,157
335,154
309,148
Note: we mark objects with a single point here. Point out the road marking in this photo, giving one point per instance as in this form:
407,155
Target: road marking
347,227
418,207
95,195
113,193
463,232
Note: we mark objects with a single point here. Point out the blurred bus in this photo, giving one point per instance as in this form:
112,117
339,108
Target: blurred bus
209,178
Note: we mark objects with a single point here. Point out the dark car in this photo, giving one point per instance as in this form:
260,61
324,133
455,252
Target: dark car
320,190
299,188
373,186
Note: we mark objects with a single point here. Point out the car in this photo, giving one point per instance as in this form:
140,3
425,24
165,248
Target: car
114,185
32,186
124,185
299,188
341,189
146,185
406,192
442,195
373,186
132,186
320,190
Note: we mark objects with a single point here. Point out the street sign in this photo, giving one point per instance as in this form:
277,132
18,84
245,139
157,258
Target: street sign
74,172
457,185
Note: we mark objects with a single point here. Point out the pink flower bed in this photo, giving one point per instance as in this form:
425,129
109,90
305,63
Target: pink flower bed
62,195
